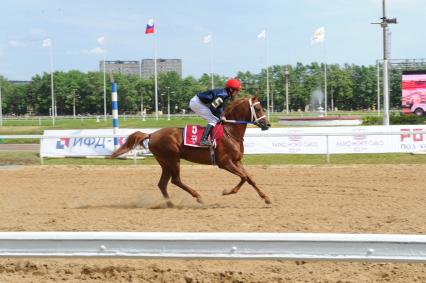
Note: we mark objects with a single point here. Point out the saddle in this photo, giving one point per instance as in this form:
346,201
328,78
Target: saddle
192,135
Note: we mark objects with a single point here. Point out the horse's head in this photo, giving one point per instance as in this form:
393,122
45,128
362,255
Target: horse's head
250,110
258,114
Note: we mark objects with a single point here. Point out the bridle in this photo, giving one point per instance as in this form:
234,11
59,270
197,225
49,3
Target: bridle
255,119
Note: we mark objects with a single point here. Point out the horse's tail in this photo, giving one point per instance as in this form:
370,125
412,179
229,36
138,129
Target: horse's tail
132,141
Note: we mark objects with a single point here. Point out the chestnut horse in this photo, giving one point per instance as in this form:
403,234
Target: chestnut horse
167,147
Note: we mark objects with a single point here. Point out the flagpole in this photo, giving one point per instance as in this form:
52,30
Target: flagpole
211,63
155,77
51,86
325,81
105,110
267,74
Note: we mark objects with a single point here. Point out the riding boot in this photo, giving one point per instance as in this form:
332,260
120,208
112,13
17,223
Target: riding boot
204,139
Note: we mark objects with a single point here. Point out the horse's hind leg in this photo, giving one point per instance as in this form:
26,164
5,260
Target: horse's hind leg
234,169
175,172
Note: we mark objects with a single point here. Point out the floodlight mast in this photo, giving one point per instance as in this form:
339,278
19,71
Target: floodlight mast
384,25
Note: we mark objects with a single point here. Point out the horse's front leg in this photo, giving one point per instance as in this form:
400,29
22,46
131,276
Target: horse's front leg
238,169
258,190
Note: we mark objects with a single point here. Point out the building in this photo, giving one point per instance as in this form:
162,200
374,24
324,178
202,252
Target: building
144,68
121,67
163,66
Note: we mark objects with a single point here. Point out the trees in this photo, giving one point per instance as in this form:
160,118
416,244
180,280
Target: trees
348,86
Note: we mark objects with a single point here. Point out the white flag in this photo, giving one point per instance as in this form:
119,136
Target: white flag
101,40
262,35
208,38
319,35
47,42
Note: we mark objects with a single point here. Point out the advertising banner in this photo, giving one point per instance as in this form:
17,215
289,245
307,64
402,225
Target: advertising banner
414,92
89,144
307,140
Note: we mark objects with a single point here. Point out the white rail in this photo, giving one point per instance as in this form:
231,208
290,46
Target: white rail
292,246
261,134
327,135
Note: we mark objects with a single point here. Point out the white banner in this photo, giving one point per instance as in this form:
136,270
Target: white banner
307,140
84,146
358,139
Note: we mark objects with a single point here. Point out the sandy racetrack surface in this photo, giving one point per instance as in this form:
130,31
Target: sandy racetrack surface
341,199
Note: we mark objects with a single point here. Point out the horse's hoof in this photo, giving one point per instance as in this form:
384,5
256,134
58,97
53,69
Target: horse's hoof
170,204
199,200
226,192
267,200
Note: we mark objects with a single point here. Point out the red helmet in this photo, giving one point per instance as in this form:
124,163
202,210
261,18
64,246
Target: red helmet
233,84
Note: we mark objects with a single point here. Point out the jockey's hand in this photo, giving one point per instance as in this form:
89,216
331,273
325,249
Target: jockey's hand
222,118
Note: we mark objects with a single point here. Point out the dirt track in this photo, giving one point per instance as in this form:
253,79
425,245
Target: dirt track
352,199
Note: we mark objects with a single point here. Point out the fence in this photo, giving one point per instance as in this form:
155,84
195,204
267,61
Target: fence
290,246
418,135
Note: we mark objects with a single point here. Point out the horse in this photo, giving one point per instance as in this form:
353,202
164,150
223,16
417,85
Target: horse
168,148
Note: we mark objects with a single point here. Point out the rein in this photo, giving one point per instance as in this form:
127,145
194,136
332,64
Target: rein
254,119
237,122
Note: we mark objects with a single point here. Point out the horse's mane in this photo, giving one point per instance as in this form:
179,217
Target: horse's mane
234,104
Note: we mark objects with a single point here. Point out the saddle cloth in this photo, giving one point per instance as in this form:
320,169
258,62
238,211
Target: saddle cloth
192,135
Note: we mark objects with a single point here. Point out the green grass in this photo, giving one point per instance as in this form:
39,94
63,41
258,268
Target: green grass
19,158
32,126
31,158
28,127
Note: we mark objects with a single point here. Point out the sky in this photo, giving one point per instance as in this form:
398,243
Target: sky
180,26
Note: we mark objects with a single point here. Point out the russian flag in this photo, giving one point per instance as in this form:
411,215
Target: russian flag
150,26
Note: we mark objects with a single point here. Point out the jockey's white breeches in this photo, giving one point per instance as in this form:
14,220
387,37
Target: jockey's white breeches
203,111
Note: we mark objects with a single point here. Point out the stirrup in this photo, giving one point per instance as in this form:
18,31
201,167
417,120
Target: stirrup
206,143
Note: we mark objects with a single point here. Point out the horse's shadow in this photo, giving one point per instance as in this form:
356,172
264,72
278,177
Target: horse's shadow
154,205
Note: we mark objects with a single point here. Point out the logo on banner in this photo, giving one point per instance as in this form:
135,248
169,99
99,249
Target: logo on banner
411,137
295,137
62,143
360,134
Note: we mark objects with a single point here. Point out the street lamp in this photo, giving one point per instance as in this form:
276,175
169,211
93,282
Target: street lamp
286,73
168,103
48,44
73,103
384,24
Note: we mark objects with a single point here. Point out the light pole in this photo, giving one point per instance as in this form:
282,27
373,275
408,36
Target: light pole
142,109
168,105
51,87
286,89
105,110
73,104
101,41
168,102
48,44
384,24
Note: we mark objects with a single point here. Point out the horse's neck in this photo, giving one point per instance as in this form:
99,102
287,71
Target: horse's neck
237,131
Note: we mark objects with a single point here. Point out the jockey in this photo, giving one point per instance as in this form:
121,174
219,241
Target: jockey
209,105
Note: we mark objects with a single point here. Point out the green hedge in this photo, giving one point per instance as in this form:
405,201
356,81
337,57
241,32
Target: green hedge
396,120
